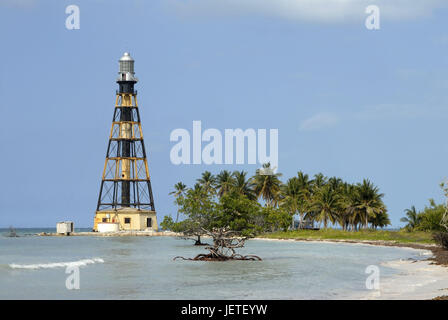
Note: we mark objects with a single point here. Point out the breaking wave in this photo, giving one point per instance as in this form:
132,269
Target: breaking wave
79,263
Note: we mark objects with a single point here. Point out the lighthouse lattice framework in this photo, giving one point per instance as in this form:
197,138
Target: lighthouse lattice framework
125,198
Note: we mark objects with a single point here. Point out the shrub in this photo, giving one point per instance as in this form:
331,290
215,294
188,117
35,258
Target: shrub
167,223
441,238
430,217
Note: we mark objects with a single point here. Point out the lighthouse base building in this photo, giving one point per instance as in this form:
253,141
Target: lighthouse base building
125,219
125,199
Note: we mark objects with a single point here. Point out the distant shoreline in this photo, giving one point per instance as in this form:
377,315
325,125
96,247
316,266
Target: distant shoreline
440,254
113,234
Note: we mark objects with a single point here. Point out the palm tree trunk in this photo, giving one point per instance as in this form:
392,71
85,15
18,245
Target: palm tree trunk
301,220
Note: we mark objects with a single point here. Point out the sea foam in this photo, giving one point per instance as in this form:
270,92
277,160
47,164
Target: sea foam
79,263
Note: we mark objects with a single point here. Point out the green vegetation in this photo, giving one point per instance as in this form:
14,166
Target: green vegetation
167,223
426,226
433,218
429,219
401,236
227,206
263,203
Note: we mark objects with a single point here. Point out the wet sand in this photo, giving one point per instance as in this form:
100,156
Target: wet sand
417,279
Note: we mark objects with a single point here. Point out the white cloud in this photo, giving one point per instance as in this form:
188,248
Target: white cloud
328,11
319,121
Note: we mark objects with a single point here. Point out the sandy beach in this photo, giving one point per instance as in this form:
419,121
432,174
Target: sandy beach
417,279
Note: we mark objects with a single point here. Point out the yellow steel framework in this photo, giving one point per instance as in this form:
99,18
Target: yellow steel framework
125,179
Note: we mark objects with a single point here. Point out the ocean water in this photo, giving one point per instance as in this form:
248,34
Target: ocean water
33,267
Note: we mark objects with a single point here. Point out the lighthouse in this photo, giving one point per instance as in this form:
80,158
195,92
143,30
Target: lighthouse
125,200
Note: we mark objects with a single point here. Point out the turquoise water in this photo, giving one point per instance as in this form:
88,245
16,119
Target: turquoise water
33,267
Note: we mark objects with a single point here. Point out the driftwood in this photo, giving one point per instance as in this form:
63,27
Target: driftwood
224,244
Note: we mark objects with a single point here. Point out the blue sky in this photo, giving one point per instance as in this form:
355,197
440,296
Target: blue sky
347,101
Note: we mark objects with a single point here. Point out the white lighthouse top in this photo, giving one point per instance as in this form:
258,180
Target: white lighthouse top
126,57
126,71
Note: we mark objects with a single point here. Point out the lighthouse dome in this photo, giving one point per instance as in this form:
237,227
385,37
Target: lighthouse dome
126,70
126,57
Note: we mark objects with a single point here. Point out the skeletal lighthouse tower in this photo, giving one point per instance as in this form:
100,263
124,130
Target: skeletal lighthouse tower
125,201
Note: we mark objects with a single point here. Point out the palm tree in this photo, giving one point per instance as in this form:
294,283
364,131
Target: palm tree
290,196
242,185
366,202
319,181
207,181
316,184
335,183
412,218
198,193
224,182
327,204
380,220
346,191
179,191
267,185
304,181
306,191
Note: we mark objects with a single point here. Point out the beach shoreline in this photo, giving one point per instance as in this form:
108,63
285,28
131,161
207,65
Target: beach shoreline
418,279
440,255
113,234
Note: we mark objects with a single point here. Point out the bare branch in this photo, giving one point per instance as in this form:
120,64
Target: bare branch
224,244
